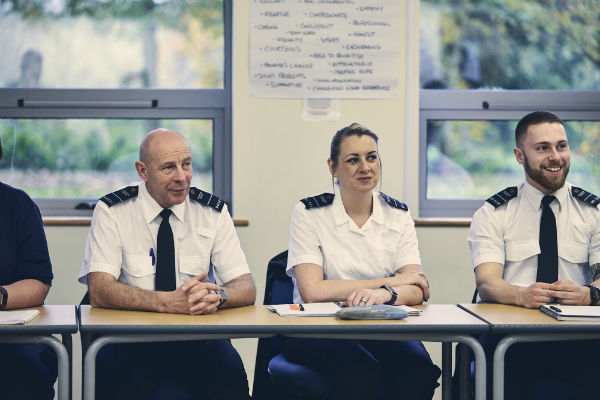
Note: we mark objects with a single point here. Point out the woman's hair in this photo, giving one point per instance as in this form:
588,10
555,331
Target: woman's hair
351,130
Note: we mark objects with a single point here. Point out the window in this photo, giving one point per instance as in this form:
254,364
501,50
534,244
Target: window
82,82
484,65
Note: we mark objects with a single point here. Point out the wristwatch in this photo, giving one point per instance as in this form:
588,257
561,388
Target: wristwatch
3,298
392,292
223,299
594,294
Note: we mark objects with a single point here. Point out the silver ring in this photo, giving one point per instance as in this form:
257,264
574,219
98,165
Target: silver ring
362,301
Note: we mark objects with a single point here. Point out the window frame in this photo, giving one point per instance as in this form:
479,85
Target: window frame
435,104
213,104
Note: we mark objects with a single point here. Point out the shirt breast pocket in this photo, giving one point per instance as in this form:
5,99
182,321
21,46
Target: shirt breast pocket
573,252
521,250
199,262
138,271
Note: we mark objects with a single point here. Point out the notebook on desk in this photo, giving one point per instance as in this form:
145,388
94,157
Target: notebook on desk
572,313
17,317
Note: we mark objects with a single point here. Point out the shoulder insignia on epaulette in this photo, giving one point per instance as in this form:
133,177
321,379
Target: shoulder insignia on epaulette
120,195
206,199
503,196
585,196
318,201
393,202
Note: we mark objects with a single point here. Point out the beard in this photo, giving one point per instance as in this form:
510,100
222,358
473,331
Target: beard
538,175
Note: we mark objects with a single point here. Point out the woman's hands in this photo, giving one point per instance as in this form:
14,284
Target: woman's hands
400,281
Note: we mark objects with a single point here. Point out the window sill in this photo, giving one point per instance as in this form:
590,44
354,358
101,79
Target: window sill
85,221
443,222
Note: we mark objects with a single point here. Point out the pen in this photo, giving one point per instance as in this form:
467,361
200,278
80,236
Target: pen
555,309
301,307
152,255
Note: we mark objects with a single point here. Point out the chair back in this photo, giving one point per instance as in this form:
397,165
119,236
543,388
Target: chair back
279,288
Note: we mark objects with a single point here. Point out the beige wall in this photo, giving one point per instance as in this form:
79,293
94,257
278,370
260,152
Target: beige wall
278,158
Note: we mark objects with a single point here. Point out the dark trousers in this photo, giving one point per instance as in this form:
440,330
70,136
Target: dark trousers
547,370
27,372
368,369
210,369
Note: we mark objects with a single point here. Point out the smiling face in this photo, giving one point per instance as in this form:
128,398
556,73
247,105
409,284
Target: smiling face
166,167
357,167
545,156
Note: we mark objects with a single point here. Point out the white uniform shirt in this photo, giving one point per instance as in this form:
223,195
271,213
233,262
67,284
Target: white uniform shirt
509,235
122,241
328,237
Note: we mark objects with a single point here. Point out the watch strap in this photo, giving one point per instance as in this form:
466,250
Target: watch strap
3,297
392,292
223,298
594,294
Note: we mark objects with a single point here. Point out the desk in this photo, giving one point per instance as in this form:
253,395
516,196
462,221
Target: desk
51,320
521,324
440,323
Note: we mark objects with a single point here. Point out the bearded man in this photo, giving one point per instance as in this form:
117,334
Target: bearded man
539,243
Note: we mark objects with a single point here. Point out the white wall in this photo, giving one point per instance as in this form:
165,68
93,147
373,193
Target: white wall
279,159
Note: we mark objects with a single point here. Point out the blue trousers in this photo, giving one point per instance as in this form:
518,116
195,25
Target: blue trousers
210,369
27,371
368,369
561,370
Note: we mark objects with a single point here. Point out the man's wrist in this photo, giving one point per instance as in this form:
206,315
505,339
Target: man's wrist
223,298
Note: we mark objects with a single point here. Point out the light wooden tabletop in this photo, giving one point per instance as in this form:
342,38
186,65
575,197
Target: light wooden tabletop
257,319
505,318
52,319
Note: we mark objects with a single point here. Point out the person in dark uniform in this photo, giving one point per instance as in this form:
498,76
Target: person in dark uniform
359,246
539,243
27,371
156,246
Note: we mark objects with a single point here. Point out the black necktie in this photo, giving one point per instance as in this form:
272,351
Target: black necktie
548,259
164,279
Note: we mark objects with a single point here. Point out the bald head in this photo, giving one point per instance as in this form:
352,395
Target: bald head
153,140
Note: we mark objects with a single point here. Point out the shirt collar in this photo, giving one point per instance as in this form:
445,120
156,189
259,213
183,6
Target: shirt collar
339,212
151,209
534,196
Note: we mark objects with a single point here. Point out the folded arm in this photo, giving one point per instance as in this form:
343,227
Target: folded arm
107,292
492,288
26,293
313,288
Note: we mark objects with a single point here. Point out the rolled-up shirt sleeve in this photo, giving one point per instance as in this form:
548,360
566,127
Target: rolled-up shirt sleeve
485,237
304,246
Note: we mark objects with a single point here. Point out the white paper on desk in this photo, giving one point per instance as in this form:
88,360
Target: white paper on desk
310,309
17,317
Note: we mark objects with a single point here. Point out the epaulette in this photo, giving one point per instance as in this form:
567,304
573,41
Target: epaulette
393,202
503,196
585,196
206,199
318,201
120,195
